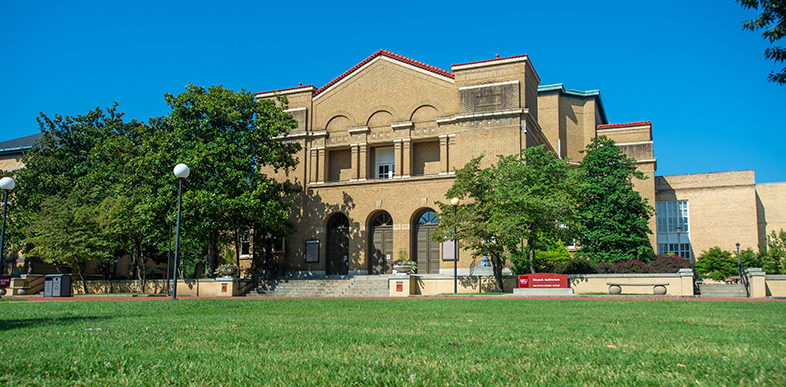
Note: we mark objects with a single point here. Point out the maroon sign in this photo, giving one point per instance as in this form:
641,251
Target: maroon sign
543,280
5,281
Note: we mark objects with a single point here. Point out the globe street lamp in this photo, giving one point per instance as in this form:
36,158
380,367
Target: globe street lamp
455,202
6,184
181,172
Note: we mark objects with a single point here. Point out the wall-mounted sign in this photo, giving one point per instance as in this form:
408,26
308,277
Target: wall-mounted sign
312,251
448,250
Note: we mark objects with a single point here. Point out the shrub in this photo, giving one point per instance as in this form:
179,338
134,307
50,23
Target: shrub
604,268
668,264
631,266
578,266
775,256
716,264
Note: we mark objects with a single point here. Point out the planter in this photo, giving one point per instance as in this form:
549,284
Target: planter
402,268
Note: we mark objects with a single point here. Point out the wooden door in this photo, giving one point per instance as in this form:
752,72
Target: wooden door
381,246
427,250
338,246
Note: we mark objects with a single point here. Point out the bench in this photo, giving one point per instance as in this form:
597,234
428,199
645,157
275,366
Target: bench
657,288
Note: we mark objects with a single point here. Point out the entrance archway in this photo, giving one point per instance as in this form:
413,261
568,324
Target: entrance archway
338,245
381,244
427,250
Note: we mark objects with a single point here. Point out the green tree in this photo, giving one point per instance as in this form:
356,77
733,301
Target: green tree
716,264
523,197
66,232
226,137
534,198
749,258
775,256
471,222
615,216
773,20
548,258
63,170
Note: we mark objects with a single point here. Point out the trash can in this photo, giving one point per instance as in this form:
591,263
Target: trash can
57,285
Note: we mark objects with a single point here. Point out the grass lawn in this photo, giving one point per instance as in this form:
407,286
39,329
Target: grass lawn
343,342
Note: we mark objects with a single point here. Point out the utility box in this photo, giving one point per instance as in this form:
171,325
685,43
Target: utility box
57,285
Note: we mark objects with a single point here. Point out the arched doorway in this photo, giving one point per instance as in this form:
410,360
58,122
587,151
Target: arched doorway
338,245
381,245
426,249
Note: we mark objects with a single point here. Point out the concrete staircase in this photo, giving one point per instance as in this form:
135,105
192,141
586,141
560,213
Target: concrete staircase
329,286
723,290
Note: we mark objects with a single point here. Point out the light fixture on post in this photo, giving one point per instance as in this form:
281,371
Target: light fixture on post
181,172
168,253
679,229
455,202
6,184
739,265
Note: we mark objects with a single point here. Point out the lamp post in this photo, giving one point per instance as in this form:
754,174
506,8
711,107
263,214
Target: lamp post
6,184
168,253
739,265
181,172
679,229
455,202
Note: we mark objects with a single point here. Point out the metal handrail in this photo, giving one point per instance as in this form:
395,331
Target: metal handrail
744,279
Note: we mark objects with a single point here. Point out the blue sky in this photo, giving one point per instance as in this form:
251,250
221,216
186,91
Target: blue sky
687,66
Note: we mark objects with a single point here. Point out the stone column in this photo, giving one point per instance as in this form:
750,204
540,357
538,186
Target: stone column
362,161
401,285
322,165
399,165
312,177
686,282
443,154
757,284
354,160
407,157
451,149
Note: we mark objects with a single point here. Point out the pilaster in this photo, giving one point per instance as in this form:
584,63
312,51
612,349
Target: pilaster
443,154
406,144
322,160
397,153
355,162
362,161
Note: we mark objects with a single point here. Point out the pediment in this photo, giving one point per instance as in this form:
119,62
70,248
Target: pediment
383,84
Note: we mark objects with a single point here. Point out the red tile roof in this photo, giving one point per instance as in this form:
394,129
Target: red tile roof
624,125
287,89
389,55
491,60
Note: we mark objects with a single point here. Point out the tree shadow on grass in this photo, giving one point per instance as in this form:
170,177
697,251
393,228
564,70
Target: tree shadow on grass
6,325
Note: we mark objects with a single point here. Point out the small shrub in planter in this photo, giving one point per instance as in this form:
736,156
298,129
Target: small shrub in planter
227,270
631,266
669,263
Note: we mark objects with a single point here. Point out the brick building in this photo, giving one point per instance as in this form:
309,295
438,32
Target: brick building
380,143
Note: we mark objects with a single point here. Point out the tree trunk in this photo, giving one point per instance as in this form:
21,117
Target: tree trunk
212,254
81,277
141,270
496,265
531,244
237,249
107,275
